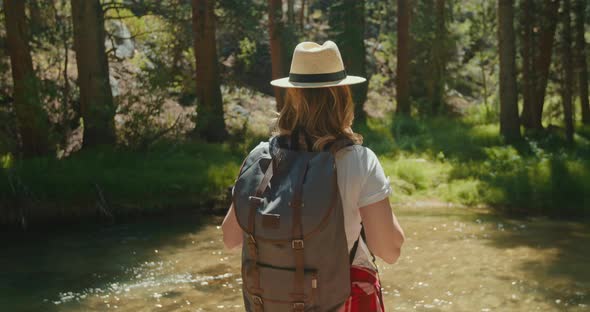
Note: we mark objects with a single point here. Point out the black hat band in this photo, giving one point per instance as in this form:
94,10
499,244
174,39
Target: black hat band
328,77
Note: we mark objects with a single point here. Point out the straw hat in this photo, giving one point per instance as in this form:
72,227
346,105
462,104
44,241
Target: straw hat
316,66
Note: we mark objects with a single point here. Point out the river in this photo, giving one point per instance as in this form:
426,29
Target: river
454,259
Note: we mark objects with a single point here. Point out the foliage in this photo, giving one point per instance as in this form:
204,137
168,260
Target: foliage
144,118
8,132
465,161
110,182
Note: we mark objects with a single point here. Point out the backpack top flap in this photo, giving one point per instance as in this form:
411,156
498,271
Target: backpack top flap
274,215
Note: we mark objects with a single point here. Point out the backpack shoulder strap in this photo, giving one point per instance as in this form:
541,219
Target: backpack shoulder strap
356,245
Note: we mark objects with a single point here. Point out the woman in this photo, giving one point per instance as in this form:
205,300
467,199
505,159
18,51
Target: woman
316,117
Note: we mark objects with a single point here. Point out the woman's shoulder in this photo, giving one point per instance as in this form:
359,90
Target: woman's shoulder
356,159
356,153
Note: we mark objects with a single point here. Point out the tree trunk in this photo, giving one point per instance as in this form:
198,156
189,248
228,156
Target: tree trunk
509,125
302,15
275,29
36,16
96,98
568,71
439,59
403,57
210,124
307,11
582,66
32,121
542,64
528,87
40,15
347,21
291,12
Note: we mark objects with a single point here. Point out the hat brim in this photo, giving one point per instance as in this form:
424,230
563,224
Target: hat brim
285,83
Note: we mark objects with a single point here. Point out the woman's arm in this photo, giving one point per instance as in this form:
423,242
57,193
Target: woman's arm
232,233
385,236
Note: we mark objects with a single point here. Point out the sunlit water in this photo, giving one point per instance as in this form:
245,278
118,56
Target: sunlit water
454,259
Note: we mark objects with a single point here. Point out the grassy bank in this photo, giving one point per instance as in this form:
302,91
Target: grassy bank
460,160
465,161
107,182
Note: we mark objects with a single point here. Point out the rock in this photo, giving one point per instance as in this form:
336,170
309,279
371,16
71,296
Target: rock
121,39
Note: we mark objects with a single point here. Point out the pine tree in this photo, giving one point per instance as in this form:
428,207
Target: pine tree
509,125
97,106
32,120
403,57
210,123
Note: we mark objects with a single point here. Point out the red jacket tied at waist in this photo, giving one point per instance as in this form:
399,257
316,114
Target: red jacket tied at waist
365,295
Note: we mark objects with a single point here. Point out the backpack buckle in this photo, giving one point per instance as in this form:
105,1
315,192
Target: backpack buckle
257,300
296,203
255,199
298,306
297,244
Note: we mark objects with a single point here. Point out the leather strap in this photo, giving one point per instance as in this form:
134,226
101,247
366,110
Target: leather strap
352,254
365,240
258,304
297,244
354,249
295,137
254,274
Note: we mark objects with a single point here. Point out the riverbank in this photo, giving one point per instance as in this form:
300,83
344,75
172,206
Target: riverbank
108,183
465,161
451,160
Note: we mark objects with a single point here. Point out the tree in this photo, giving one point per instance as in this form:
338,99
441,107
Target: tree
33,124
532,115
40,11
509,125
302,15
582,66
403,57
96,99
291,12
210,120
347,22
439,59
276,29
527,51
568,71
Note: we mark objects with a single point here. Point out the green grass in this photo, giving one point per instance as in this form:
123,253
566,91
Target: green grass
458,160
122,182
465,161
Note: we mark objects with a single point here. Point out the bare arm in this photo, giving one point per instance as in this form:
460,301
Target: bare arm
232,233
385,236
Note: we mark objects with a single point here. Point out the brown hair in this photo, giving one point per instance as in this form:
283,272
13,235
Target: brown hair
324,113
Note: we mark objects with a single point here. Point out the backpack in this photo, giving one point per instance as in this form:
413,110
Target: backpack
295,253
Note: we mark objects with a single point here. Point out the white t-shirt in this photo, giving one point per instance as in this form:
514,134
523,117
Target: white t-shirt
361,181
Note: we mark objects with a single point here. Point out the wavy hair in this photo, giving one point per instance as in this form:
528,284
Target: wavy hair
324,113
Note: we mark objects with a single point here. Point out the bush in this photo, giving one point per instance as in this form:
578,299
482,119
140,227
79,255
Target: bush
467,162
111,182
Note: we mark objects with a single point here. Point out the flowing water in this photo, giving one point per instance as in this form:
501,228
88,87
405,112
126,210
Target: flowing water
454,259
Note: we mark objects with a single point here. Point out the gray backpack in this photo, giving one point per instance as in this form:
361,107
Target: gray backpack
295,253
